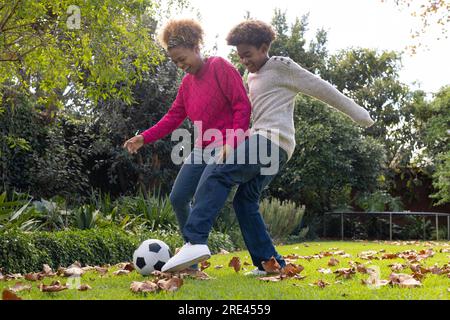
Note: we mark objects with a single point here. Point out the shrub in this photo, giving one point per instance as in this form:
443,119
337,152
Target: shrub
22,252
281,217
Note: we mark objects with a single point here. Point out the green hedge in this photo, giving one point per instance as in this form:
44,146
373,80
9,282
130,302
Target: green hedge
22,252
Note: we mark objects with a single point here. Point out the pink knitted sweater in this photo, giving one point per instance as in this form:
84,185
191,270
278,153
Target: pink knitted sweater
215,97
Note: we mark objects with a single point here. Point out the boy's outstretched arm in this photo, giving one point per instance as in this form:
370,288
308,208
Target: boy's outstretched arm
308,83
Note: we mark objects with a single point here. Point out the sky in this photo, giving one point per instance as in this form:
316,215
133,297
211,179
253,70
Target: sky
349,23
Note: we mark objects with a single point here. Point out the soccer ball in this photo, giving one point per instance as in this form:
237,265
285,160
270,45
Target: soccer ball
151,255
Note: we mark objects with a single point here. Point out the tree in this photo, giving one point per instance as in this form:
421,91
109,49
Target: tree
99,48
371,78
433,123
291,42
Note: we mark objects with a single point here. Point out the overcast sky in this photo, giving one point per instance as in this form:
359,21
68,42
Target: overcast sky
350,23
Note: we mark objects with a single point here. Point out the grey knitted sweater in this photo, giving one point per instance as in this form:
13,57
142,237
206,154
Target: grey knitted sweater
272,92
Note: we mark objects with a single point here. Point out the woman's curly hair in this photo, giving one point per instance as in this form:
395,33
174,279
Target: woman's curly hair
183,32
253,32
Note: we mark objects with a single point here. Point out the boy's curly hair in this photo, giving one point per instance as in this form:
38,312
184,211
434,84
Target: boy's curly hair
183,32
253,32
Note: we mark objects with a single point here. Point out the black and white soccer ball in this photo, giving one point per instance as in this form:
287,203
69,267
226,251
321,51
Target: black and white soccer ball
151,255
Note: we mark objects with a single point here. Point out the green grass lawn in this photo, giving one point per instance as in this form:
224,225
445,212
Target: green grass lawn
228,284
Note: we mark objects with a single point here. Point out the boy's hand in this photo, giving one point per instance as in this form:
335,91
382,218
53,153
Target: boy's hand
134,144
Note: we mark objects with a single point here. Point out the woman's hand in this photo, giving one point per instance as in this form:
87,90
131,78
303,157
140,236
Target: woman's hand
134,144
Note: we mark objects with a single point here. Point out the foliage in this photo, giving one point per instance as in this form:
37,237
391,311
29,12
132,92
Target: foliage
371,78
432,123
86,217
27,252
12,207
442,179
100,48
416,227
281,217
379,201
291,42
155,211
77,150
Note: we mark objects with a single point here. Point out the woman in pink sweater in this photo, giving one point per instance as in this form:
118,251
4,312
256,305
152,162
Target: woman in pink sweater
212,95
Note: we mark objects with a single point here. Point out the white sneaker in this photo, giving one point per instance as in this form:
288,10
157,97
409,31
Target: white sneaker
188,255
256,272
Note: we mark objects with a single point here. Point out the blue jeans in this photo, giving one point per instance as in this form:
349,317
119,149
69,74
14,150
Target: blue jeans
213,191
185,185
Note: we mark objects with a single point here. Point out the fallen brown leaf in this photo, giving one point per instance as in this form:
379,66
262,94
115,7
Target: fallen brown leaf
48,271
218,266
271,279
404,280
292,256
320,283
361,268
368,255
88,268
172,284
101,271
74,270
346,273
418,276
121,272
162,275
417,268
84,287
333,262
55,286
204,265
291,269
33,276
389,256
436,270
271,266
19,286
146,286
14,276
299,277
128,266
375,282
196,274
223,251
9,295
235,262
397,266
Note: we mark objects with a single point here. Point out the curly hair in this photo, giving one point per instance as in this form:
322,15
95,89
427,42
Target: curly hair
184,32
253,32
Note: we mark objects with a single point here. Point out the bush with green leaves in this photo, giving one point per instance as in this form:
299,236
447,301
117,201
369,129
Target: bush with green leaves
281,217
379,201
22,252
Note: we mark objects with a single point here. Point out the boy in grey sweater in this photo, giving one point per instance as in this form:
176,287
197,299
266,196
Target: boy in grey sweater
273,84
